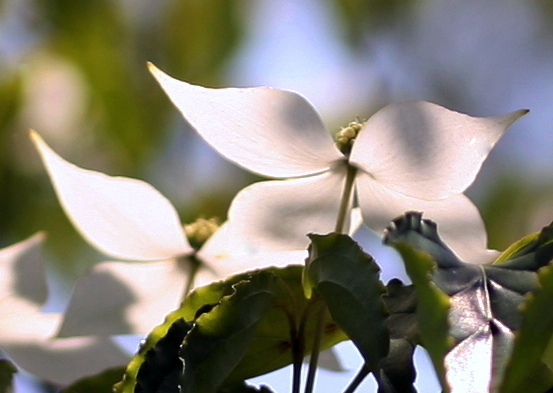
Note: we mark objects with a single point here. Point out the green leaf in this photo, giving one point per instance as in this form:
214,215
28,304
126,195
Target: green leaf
263,341
7,370
242,327
272,345
173,330
382,326
432,306
221,336
484,300
530,366
529,253
101,383
348,281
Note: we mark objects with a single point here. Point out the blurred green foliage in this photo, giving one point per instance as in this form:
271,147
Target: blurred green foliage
126,114
359,17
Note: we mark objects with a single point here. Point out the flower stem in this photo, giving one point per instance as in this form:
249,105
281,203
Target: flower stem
361,374
345,205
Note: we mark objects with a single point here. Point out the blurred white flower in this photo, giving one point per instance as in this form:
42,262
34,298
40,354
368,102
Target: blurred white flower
130,220
27,335
408,156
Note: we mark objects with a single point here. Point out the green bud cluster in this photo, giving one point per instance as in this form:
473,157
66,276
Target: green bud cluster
200,230
345,137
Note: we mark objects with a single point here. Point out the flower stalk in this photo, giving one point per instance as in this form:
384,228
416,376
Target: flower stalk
345,204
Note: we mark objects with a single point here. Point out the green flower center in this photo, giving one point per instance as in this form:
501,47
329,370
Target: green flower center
200,230
346,136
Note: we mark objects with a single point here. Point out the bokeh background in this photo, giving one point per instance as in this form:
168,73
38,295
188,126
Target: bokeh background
75,71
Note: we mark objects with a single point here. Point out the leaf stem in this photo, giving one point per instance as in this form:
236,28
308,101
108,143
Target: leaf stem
298,353
359,377
345,204
315,350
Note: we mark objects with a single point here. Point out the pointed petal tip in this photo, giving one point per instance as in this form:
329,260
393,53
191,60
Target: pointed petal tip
510,118
39,143
520,113
158,74
152,68
35,137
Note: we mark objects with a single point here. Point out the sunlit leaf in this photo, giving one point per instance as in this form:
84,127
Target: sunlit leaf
432,306
101,383
529,253
241,328
531,362
221,336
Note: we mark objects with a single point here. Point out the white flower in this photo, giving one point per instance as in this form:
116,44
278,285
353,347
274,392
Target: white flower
408,156
130,220
27,334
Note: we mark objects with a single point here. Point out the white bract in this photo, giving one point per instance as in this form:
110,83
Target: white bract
130,220
408,156
27,334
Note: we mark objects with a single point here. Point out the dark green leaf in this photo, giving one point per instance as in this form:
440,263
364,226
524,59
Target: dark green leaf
484,299
401,303
7,370
101,383
348,281
397,371
421,235
245,388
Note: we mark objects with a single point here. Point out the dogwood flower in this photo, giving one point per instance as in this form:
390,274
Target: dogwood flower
130,220
27,334
408,156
